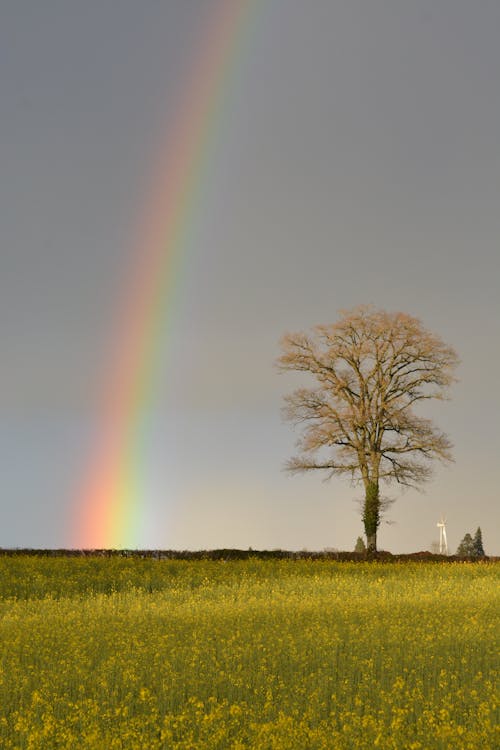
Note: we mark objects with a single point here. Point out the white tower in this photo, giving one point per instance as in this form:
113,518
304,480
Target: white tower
443,542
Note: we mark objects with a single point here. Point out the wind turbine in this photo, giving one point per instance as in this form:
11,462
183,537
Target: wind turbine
443,543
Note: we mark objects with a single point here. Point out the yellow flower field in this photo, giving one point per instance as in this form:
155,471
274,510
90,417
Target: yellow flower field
265,655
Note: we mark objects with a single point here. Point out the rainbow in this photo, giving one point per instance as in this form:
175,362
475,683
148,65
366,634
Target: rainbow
108,504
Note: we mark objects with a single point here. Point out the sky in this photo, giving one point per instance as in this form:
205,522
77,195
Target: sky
354,160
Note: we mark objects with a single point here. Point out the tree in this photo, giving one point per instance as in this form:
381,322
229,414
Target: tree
471,547
466,547
372,368
477,543
360,546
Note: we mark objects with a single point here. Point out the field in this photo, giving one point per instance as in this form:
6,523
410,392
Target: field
265,655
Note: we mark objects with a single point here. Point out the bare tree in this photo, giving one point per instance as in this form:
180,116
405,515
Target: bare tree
372,368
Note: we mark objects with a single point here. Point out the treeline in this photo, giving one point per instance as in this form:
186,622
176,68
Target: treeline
240,554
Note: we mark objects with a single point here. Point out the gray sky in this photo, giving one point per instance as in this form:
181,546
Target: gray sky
356,161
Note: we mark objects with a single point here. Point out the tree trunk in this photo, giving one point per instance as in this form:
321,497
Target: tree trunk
371,515
371,542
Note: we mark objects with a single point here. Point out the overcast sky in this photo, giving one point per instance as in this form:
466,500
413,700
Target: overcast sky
356,160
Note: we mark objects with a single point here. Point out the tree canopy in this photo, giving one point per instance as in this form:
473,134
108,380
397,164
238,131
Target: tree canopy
466,547
360,546
477,543
471,546
371,369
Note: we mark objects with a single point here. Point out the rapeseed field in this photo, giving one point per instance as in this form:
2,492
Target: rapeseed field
150,654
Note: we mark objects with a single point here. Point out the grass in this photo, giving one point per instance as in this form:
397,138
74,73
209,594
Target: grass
276,654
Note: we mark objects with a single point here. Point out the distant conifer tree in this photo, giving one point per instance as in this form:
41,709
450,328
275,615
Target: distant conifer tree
477,543
360,545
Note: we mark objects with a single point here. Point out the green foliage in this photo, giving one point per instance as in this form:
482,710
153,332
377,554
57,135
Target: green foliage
127,654
477,543
371,514
471,547
360,545
466,547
